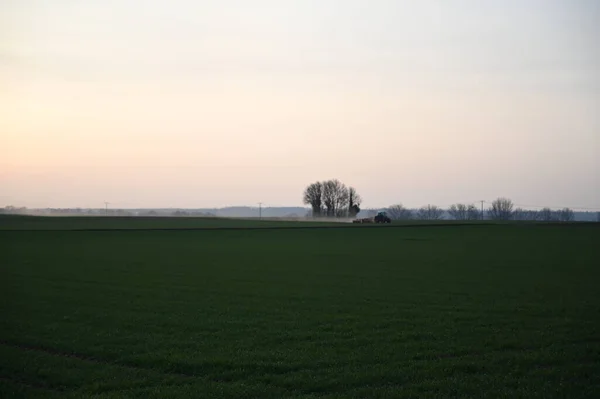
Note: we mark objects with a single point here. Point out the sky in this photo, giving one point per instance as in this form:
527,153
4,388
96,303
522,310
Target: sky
232,102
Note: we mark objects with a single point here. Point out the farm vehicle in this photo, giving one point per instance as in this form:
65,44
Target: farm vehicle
381,217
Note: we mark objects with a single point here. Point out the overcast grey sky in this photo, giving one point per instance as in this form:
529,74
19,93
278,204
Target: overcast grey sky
215,103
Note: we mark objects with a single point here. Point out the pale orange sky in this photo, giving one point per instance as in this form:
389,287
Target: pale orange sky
209,104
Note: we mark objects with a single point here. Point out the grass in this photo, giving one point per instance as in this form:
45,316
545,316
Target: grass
439,311
19,222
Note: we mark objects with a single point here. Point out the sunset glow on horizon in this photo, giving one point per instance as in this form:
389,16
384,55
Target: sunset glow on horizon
209,104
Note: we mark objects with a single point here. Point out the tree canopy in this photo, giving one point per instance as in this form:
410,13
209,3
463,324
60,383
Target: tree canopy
332,198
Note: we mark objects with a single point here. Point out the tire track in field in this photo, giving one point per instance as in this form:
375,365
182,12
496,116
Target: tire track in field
38,385
189,377
186,378
93,359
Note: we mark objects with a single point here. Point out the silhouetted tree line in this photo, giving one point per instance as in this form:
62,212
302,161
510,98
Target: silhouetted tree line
500,209
464,212
14,210
427,212
332,198
503,209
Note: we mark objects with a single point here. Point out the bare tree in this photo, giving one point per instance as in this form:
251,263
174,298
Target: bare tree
473,213
459,211
464,212
430,212
546,215
313,196
399,212
520,214
566,215
342,199
501,209
524,214
333,198
329,197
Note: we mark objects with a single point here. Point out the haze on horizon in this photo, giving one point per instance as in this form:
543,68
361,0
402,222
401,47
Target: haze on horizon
209,104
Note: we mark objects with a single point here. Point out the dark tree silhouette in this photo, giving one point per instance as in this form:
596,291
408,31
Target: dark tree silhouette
399,212
546,215
464,212
501,209
333,193
430,212
524,214
313,196
566,215
332,198
354,201
473,213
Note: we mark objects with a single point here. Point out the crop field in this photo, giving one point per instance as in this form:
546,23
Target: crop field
126,310
141,223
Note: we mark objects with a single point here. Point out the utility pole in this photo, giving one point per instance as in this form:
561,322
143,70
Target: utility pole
106,207
482,214
260,210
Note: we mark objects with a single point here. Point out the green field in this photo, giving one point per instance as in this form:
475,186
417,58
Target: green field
348,312
133,223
